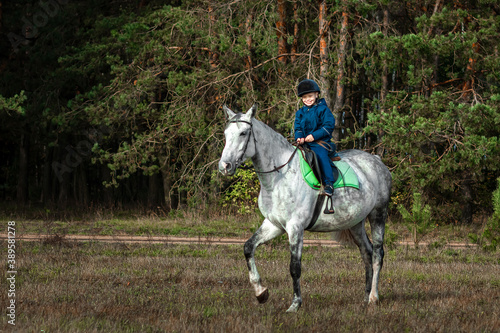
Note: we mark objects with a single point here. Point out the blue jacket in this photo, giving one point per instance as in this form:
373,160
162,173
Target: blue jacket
317,120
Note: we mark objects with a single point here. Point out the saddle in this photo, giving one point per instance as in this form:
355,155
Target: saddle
343,174
310,168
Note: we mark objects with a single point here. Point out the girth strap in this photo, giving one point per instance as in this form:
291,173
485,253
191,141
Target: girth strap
317,210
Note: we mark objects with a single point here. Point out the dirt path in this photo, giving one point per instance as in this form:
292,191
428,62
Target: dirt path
206,240
129,239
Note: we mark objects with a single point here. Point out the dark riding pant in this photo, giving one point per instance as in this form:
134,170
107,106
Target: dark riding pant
324,163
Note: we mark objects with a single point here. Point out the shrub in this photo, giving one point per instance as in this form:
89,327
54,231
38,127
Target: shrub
243,193
419,220
490,238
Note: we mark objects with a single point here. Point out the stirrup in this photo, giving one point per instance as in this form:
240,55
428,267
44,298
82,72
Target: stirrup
329,206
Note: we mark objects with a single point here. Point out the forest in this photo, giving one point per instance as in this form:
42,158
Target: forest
119,104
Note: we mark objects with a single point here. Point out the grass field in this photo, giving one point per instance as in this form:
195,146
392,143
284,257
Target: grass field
200,224
96,287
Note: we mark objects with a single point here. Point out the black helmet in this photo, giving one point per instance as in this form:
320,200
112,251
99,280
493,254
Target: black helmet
307,86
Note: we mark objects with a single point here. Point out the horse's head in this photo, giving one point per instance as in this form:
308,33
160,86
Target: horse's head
239,144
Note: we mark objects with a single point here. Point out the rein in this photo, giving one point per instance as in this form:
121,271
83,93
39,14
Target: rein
281,166
276,169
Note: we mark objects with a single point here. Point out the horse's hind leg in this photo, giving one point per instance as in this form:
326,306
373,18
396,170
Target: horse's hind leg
358,232
377,222
266,232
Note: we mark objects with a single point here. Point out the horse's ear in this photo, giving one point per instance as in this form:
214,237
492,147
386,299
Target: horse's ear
253,111
229,114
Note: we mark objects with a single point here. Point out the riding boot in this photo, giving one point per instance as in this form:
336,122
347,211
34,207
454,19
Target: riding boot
328,189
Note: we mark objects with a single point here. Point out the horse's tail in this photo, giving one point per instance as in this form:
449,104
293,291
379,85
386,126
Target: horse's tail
344,237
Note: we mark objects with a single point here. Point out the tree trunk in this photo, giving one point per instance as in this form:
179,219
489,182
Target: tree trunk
212,21
62,176
167,187
47,177
340,87
22,180
468,86
323,53
82,186
467,199
248,25
153,190
385,80
437,7
64,185
434,81
107,192
1,20
281,30
295,31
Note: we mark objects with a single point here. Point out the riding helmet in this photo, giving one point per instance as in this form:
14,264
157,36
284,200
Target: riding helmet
307,86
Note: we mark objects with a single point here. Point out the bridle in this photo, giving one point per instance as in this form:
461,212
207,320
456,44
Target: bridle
240,159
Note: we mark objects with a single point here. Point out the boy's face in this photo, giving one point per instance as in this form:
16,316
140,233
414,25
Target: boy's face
309,99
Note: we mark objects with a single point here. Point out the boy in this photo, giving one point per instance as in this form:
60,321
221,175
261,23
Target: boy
315,122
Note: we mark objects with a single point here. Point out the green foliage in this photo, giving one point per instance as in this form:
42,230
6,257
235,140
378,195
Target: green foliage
163,101
13,104
419,220
490,238
437,143
243,193
390,238
424,90
438,136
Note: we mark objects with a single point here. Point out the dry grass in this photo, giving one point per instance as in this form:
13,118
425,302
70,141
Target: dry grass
92,287
199,224
177,224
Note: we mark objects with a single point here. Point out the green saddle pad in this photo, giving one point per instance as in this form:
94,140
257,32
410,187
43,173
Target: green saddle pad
347,177
308,174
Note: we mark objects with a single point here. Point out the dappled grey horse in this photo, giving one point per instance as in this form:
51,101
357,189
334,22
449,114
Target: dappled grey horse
288,203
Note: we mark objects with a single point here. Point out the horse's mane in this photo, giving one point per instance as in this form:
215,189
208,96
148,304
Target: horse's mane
275,137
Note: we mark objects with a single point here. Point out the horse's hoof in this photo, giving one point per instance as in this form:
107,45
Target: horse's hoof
263,297
373,300
293,308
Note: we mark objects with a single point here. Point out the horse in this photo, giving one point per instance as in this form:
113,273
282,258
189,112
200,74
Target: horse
288,203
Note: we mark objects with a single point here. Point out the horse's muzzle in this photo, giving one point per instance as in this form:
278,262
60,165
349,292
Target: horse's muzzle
227,169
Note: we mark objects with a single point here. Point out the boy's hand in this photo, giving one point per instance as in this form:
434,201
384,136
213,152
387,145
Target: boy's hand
309,138
300,141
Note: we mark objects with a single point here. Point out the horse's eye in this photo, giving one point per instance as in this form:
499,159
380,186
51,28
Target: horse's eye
243,133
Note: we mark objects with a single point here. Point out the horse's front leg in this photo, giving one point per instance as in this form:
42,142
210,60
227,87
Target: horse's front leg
266,232
296,239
